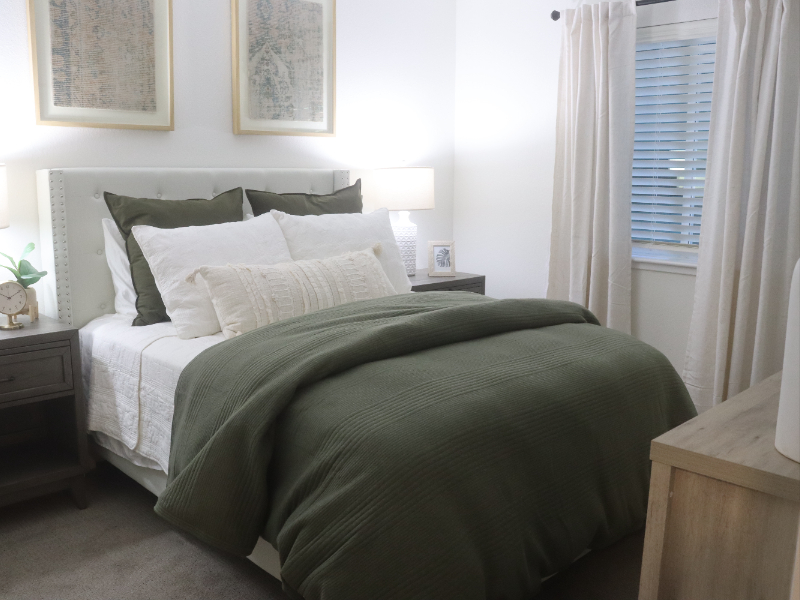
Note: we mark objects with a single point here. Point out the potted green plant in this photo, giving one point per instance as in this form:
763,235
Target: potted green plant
26,275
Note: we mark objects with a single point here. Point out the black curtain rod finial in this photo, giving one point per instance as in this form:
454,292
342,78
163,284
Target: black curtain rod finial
555,15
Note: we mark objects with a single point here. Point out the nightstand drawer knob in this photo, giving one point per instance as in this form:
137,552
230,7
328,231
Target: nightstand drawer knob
8,379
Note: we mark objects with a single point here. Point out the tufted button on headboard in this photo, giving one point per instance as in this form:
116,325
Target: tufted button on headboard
71,207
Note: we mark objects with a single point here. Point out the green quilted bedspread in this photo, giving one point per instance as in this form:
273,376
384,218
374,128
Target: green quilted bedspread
429,446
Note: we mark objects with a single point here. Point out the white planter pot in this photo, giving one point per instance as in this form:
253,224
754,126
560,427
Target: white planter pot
31,302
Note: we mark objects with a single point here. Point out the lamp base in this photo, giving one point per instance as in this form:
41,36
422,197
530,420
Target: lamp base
405,232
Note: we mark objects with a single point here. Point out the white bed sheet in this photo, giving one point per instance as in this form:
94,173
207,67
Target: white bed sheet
130,375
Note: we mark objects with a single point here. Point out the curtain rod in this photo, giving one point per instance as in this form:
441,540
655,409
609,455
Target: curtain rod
555,15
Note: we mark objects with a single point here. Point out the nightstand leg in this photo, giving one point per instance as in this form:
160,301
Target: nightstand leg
78,491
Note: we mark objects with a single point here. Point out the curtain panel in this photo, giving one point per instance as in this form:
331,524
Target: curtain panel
590,248
750,233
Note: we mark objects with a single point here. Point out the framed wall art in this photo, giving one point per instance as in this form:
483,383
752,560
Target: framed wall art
98,63
284,67
442,259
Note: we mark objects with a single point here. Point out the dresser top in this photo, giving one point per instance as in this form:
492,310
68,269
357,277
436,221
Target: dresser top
735,442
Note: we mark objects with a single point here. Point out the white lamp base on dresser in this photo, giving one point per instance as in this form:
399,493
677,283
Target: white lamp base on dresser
405,232
787,435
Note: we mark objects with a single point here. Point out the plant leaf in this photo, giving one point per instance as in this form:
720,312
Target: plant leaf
14,271
13,262
28,249
26,268
29,274
28,280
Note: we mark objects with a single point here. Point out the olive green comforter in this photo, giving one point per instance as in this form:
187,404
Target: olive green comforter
424,446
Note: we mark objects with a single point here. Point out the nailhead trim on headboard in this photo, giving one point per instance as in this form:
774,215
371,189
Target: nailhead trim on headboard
59,221
341,179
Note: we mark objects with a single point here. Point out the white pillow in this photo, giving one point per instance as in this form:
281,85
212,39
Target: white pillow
249,296
120,266
324,236
174,253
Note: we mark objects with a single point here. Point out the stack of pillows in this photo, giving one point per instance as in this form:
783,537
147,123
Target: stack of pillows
201,265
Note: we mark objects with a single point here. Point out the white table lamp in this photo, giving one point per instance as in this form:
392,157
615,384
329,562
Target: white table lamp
404,189
3,198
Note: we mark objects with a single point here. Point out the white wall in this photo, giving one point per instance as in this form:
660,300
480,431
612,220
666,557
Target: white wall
506,100
506,103
396,84
661,311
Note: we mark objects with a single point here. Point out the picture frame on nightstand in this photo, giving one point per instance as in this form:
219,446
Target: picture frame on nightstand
442,259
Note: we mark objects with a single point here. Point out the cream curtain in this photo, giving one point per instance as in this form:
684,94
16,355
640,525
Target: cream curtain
590,248
750,235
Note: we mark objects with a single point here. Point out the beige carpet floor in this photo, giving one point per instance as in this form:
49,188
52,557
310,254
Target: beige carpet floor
118,549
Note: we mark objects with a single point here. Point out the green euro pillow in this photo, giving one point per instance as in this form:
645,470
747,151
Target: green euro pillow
165,214
346,200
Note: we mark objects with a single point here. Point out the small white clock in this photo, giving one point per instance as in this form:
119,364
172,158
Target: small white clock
12,301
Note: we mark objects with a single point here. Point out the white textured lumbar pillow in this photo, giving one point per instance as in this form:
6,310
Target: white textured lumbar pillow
324,236
174,253
249,296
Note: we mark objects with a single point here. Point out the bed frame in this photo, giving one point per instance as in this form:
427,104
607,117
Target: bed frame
79,288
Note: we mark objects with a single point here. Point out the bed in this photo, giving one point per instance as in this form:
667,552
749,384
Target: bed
422,445
71,208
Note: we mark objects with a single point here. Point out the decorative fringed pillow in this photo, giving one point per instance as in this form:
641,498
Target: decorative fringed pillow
249,296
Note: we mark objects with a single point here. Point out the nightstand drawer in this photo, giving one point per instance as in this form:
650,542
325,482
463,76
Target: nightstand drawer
32,372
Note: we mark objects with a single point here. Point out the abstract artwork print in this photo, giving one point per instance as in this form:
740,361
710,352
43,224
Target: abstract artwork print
103,54
286,63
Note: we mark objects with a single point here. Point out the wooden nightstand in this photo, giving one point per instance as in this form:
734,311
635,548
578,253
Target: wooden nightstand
722,523
462,282
43,442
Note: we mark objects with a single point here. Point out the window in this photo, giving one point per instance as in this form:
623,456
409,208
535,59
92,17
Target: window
673,110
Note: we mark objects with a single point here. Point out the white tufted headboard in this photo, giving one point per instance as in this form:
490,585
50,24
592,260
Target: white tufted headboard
71,207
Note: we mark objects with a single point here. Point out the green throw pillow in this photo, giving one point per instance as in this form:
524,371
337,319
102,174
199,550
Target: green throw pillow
346,200
165,214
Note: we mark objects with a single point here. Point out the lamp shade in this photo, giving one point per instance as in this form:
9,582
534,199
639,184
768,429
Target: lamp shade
3,198
403,188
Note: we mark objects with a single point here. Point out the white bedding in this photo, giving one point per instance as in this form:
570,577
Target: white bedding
130,374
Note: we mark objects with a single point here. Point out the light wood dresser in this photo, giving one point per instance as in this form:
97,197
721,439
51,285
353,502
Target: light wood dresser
724,509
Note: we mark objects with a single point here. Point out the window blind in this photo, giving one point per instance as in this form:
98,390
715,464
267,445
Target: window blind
673,111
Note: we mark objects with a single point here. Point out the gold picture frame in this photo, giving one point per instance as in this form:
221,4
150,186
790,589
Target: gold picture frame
153,87
442,259
245,80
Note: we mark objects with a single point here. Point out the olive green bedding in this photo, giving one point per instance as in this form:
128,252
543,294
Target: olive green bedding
423,446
